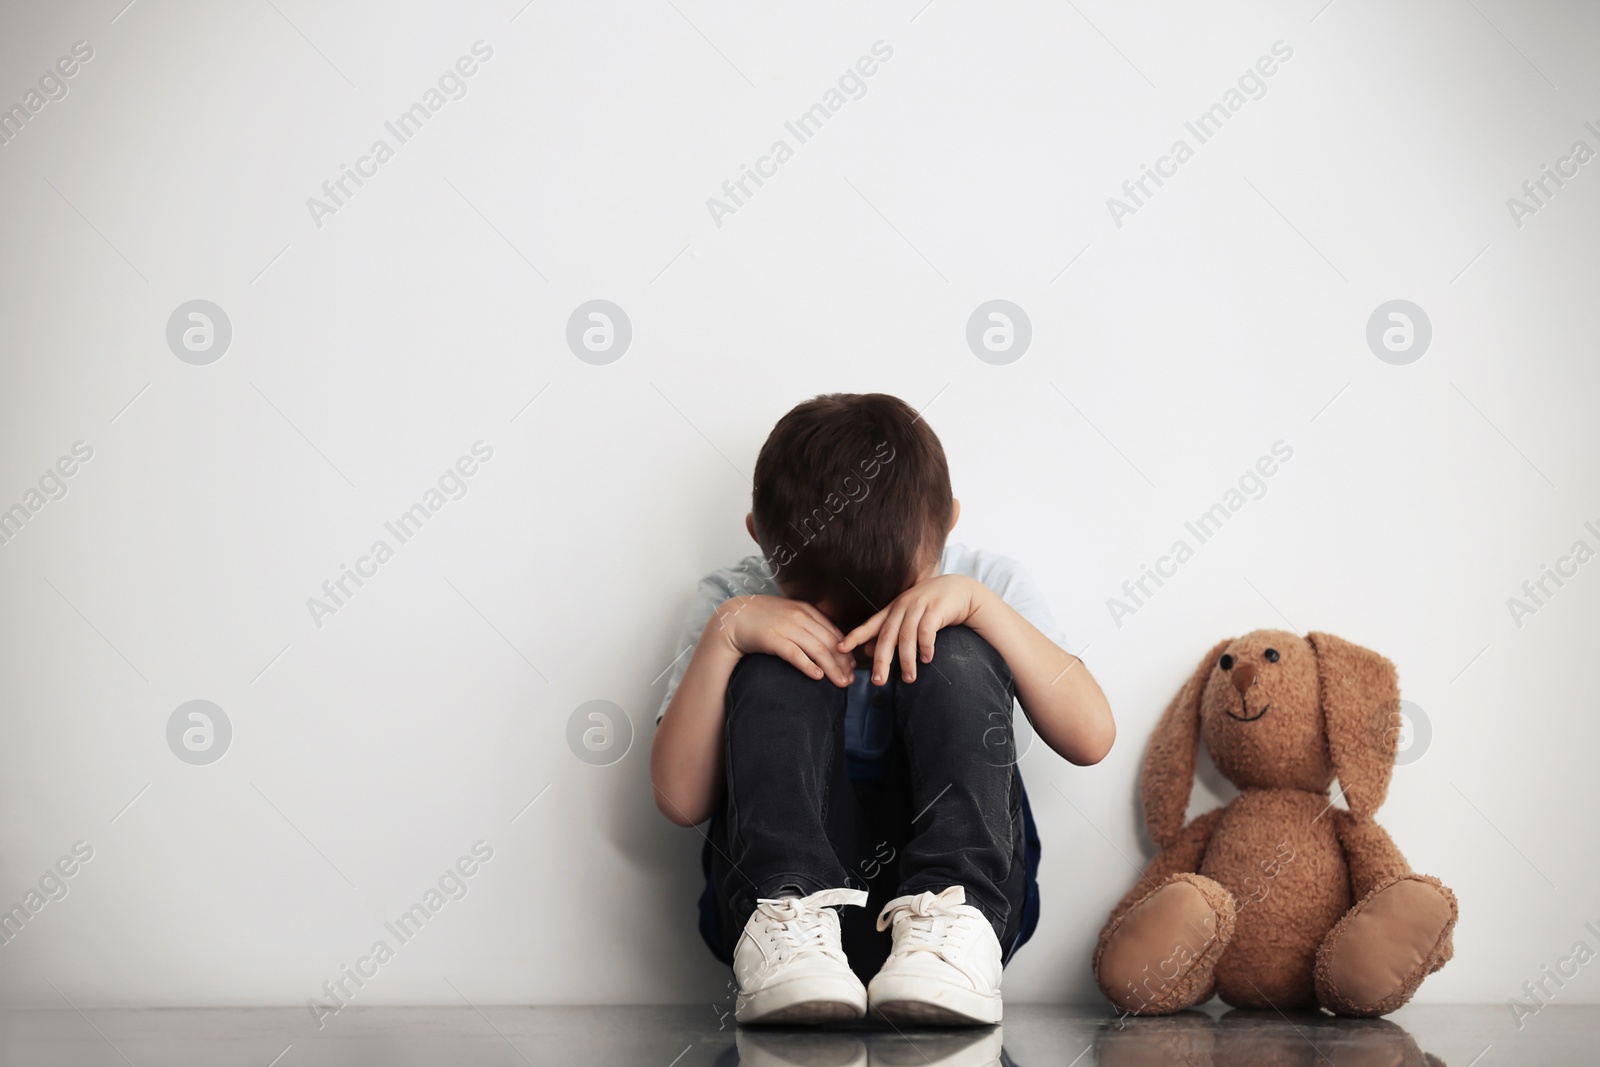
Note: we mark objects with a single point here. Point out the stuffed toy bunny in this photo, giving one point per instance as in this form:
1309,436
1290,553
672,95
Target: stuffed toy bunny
1279,900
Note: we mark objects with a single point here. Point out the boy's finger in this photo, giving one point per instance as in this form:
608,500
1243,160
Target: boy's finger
814,612
795,656
826,641
927,632
819,650
825,634
864,632
909,626
886,640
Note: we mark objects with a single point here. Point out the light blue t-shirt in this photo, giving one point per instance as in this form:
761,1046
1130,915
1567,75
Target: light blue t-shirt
868,723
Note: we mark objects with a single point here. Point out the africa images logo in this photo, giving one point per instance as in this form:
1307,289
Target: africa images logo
337,192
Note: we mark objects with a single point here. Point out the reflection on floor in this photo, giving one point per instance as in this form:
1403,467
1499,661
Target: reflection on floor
1033,1035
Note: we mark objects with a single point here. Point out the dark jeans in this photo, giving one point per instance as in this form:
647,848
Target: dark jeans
949,810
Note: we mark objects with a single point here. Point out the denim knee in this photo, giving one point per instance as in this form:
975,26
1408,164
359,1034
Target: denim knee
759,679
960,650
763,670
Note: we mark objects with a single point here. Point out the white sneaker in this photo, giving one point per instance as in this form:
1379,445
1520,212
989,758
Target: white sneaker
945,965
790,966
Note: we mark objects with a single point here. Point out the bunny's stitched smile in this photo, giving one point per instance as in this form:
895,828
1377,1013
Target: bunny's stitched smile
1243,680
1245,707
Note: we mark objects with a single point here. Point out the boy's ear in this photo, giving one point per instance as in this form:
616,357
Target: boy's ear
1168,775
1360,707
955,512
750,526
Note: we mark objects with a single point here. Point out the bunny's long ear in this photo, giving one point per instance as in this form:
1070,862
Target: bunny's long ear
1168,775
1361,707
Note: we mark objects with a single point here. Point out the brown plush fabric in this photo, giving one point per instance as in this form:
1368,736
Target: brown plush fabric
1163,950
1169,761
1310,905
1376,956
1361,703
1181,855
1369,850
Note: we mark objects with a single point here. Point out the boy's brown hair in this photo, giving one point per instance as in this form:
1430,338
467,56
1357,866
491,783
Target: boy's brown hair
851,501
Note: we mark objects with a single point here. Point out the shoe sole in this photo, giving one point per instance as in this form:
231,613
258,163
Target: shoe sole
924,1003
805,1001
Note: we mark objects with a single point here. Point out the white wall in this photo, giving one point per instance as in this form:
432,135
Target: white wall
369,753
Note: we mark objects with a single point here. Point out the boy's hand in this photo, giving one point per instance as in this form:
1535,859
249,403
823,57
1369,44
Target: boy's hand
792,630
911,621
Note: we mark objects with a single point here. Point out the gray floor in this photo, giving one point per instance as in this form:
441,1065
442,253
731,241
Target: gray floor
1461,1036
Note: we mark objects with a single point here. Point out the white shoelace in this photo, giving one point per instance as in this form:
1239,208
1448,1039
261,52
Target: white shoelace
929,922
795,924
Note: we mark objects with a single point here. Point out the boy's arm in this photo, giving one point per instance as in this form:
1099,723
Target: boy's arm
1061,698
686,755
1063,702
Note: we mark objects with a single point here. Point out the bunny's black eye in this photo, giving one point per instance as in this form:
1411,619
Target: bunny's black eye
1272,655
1227,662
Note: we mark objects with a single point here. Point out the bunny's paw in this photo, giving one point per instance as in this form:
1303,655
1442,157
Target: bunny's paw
1374,958
1159,958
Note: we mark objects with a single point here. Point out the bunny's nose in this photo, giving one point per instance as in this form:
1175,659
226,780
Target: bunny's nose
1244,675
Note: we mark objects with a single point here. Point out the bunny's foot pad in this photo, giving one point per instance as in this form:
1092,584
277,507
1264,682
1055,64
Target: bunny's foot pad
1374,959
1160,957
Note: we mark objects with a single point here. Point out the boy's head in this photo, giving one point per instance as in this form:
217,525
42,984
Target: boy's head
851,503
